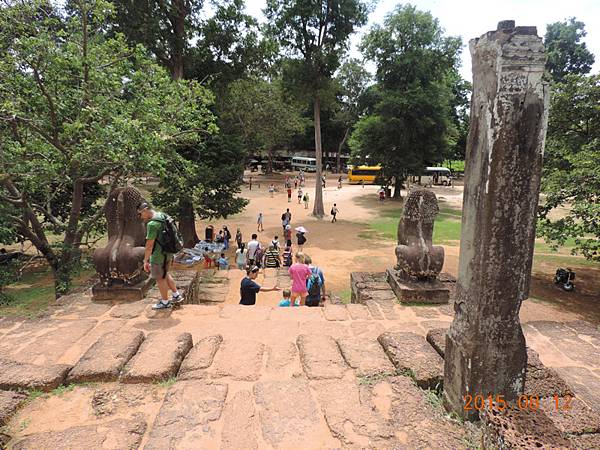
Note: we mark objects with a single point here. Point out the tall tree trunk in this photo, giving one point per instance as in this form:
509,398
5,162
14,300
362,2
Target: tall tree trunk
270,161
187,223
398,187
318,210
64,267
338,161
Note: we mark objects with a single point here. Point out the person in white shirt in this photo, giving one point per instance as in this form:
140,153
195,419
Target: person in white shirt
253,246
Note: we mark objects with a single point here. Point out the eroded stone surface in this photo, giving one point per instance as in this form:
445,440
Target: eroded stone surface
240,359
585,384
288,414
410,352
571,415
186,417
128,310
16,375
365,356
335,312
9,402
200,357
114,435
437,339
239,420
541,381
358,312
105,359
282,358
320,357
158,358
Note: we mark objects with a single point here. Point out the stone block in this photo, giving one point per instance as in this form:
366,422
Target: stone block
200,357
335,312
570,415
358,312
187,416
158,358
9,403
320,357
365,356
128,310
542,381
114,435
104,360
121,293
437,338
411,353
409,291
17,375
239,423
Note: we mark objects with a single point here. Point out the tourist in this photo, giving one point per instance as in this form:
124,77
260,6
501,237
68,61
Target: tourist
287,235
306,199
323,180
258,256
271,189
299,195
226,238
222,262
249,288
299,272
334,212
295,182
287,255
286,219
340,182
275,242
381,193
209,259
241,256
238,239
220,237
289,194
285,301
253,246
315,285
259,222
301,239
272,259
250,182
157,262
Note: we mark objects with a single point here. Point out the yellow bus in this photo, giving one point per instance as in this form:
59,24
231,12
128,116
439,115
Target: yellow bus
365,174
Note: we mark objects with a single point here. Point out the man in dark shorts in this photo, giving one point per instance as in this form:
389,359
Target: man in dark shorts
156,262
249,288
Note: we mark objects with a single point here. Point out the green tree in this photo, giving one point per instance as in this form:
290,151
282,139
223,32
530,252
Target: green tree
353,80
410,121
566,53
259,112
315,34
571,166
77,107
213,49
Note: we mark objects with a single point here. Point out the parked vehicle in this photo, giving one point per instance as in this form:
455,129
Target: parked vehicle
364,174
304,163
565,278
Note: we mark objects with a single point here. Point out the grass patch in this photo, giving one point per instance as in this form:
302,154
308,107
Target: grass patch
345,295
61,390
167,383
434,397
34,292
370,380
564,260
35,393
445,231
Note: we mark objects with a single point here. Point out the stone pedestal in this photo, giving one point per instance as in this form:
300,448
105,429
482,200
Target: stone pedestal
485,347
121,292
432,292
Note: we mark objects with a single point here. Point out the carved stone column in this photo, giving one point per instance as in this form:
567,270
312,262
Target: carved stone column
485,347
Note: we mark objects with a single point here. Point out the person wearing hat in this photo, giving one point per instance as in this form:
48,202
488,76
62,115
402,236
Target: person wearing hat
156,262
249,288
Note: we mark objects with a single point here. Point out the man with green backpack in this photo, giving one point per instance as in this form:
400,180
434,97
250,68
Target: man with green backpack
163,240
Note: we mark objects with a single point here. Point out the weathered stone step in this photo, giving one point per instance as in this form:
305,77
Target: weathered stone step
200,357
158,358
17,375
9,403
320,357
365,356
187,416
104,360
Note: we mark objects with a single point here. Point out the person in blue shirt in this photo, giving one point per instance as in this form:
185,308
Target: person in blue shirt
286,298
223,263
249,288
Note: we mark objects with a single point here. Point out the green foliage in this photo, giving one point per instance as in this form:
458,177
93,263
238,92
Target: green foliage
413,115
77,106
8,274
572,159
167,383
566,53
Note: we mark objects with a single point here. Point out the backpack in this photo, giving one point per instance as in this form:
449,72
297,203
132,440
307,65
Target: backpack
332,212
301,239
313,284
169,237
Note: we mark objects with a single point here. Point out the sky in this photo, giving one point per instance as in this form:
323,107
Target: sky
472,18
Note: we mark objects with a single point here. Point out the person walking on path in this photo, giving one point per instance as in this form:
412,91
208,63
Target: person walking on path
301,239
334,212
240,256
287,235
299,272
253,247
296,182
259,222
381,193
286,219
250,183
156,261
306,199
275,242
299,195
271,189
272,259
249,288
238,238
340,182
226,237
324,180
289,194
315,285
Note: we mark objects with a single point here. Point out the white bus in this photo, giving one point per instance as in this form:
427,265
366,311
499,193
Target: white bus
306,164
433,176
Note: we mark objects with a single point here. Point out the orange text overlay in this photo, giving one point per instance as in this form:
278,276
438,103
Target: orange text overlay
523,402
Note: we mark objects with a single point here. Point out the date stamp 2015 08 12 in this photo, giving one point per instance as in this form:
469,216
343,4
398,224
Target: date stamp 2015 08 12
524,402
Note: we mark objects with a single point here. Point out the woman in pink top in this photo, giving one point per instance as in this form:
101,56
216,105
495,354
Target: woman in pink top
299,273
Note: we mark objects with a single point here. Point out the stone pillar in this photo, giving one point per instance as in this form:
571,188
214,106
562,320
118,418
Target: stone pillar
485,347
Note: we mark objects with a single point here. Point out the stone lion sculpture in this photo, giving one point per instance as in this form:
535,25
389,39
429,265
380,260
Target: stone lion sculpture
416,255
